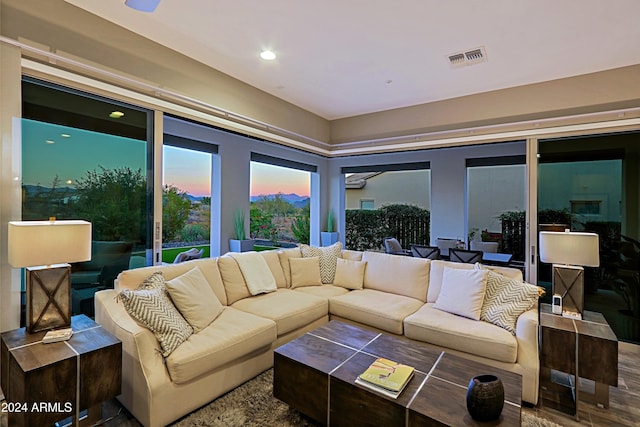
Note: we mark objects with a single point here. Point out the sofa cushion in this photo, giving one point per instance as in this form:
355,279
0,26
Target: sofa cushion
284,255
349,274
232,336
151,306
130,279
435,276
351,255
324,291
459,333
379,309
290,310
194,299
462,292
305,272
273,261
400,275
506,299
327,255
233,280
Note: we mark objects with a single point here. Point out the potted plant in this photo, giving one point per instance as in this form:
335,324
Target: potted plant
240,243
329,237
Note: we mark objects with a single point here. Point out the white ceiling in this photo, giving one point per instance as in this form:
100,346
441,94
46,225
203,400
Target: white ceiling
340,58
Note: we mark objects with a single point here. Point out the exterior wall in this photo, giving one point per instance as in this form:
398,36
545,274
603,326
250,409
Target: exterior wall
406,187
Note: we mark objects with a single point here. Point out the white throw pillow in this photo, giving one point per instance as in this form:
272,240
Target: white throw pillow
194,299
349,274
305,272
328,256
506,299
462,292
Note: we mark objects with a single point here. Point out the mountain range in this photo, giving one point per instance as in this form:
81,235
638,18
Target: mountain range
294,199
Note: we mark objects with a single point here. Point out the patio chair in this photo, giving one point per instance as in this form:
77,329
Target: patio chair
192,253
445,245
463,255
424,251
392,246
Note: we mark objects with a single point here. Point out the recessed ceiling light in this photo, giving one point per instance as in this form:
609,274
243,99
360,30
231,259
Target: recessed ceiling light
69,182
268,55
50,141
116,114
65,135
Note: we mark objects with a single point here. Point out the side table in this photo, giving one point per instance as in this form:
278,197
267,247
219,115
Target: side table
586,348
46,383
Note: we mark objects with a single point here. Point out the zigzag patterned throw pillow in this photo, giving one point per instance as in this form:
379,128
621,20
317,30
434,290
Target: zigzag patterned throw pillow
506,299
150,305
328,259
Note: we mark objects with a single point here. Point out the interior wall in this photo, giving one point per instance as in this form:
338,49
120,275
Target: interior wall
589,93
10,188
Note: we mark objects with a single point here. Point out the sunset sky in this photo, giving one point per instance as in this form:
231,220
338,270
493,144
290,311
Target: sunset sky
50,150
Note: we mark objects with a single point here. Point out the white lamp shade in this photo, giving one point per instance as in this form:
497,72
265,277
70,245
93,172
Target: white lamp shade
569,248
35,243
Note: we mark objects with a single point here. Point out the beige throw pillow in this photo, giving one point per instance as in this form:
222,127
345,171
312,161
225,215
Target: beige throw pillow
150,305
305,272
328,256
349,274
194,299
462,292
506,299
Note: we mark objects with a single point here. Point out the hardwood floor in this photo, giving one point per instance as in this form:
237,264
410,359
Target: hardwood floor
624,401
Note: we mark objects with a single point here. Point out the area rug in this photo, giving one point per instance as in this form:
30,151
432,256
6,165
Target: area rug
253,405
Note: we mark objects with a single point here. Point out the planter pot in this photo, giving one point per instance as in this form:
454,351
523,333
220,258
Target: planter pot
485,397
236,245
328,238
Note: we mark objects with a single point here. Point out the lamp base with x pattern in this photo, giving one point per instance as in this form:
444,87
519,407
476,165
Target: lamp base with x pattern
568,281
48,297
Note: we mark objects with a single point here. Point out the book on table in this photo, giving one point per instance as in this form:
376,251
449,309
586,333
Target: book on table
386,376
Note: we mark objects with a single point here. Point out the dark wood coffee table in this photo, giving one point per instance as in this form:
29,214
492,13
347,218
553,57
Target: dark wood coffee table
316,373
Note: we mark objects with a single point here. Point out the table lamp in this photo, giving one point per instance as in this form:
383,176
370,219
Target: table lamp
569,252
45,248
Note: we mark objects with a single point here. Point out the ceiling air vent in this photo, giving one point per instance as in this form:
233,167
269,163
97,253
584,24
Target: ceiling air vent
469,57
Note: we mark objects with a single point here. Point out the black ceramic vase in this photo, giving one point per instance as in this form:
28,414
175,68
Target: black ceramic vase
485,397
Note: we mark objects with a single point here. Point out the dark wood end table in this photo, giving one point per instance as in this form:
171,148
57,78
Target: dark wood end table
46,383
586,348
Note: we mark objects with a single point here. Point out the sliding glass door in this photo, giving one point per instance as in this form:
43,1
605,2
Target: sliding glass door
86,157
593,184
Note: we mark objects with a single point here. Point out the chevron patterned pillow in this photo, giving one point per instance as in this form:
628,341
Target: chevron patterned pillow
506,299
150,305
328,259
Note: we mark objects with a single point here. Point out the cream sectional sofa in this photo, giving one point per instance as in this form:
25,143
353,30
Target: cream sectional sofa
390,293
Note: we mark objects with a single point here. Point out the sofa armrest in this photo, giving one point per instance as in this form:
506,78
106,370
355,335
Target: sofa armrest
143,368
527,328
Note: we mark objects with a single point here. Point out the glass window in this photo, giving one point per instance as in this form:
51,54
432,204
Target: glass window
186,204
280,205
387,201
496,201
85,157
591,184
367,204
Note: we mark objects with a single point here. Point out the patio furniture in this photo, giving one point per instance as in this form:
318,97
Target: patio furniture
424,251
446,244
483,246
192,253
392,246
463,255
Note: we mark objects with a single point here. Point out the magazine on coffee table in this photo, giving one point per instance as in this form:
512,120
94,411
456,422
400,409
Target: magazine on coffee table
386,376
